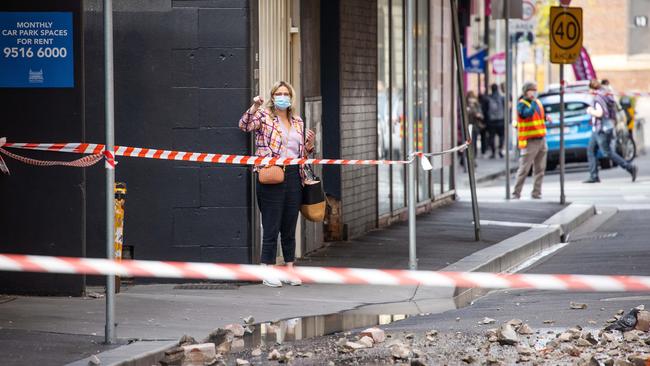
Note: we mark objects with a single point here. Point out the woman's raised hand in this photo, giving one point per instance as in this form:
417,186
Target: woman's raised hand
257,103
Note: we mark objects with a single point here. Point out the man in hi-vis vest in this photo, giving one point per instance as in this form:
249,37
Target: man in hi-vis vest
531,136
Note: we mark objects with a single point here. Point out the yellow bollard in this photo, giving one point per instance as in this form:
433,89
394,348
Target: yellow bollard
120,201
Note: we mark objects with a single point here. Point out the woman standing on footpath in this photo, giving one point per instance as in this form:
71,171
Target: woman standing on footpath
278,134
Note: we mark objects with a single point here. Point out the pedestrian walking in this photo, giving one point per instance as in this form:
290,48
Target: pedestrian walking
483,131
495,120
531,138
475,117
603,128
278,133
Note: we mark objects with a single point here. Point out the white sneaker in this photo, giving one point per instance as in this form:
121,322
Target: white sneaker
294,282
272,283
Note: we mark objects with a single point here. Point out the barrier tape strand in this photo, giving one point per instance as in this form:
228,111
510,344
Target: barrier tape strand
321,275
137,152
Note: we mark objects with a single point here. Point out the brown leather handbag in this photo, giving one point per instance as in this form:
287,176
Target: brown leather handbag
271,174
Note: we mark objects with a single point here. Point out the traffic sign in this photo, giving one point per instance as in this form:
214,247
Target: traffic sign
566,34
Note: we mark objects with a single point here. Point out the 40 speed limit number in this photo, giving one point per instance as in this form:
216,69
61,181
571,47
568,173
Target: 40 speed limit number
40,52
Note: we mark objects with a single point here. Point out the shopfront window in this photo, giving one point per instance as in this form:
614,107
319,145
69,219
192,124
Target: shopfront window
391,109
383,105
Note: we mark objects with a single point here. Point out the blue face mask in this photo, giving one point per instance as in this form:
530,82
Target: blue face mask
282,102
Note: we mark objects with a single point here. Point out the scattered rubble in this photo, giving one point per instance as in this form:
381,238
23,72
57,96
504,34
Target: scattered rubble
400,351
507,335
237,329
366,341
577,306
487,320
199,354
275,355
377,335
241,362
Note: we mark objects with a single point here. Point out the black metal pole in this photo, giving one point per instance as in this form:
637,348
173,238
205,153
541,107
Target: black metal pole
460,69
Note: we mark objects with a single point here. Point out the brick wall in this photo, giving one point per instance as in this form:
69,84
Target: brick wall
605,24
359,113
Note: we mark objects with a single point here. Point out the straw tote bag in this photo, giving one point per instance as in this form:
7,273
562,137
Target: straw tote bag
313,199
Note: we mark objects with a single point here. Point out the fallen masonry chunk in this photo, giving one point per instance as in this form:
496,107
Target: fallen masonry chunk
199,354
573,351
487,320
274,355
366,341
525,350
577,306
515,322
353,346
583,343
643,321
631,336
493,339
241,362
222,338
400,351
525,329
341,342
377,335
237,329
186,340
256,352
249,319
94,360
565,337
507,335
590,338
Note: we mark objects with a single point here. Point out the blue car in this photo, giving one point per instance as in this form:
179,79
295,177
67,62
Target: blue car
577,129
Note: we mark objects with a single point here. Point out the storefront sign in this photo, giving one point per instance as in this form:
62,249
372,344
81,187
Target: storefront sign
36,50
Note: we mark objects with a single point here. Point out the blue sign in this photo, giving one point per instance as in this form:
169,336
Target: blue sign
36,50
476,62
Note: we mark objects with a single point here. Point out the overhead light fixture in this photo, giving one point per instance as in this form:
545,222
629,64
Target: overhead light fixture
640,21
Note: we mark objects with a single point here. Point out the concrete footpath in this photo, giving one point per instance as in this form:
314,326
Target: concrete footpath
53,330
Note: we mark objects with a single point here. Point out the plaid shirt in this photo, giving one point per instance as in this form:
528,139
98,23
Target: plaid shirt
268,134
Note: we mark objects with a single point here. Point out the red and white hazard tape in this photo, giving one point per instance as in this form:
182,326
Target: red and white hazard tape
83,148
323,275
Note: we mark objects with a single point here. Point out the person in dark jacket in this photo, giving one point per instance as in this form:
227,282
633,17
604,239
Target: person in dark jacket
603,126
495,119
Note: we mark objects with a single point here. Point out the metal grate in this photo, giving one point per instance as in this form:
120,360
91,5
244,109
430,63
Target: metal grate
596,235
207,286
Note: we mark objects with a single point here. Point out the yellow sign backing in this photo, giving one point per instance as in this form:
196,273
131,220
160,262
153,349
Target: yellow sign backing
566,34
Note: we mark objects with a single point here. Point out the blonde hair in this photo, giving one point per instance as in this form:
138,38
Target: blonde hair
271,106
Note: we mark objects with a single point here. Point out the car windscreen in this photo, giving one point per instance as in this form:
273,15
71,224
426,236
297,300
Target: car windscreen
571,109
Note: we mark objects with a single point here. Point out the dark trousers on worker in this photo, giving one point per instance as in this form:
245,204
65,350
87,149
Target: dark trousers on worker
279,205
494,130
603,141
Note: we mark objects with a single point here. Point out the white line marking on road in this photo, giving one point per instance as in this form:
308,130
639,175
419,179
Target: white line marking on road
537,257
514,224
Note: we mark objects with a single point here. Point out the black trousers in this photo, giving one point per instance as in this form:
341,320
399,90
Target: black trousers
279,205
495,130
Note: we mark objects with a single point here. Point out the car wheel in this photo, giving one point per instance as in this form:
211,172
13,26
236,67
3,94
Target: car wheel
629,150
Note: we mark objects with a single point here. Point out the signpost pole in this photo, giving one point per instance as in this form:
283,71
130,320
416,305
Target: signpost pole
562,196
508,112
109,332
566,44
469,153
410,122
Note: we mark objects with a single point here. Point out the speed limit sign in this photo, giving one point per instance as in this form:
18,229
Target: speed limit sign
566,34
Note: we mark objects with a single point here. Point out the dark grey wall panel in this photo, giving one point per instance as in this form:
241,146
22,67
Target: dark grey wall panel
223,68
42,208
216,106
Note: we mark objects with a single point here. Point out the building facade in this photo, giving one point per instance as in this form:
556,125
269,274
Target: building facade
185,71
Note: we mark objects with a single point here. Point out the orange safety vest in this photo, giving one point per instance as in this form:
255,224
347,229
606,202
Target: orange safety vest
532,127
